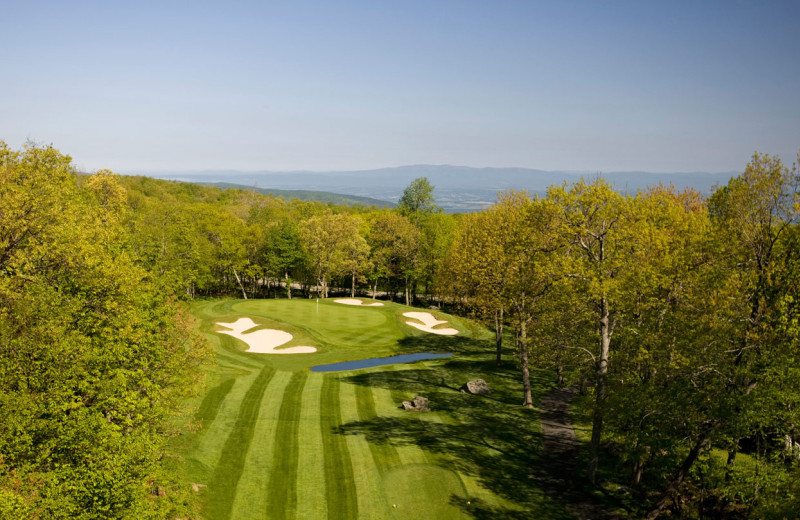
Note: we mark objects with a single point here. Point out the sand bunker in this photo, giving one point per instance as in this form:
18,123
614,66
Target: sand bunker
428,322
353,301
264,341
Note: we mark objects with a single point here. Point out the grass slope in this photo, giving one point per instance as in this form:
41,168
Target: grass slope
280,441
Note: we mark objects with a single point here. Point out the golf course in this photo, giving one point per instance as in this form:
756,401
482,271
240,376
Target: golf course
278,440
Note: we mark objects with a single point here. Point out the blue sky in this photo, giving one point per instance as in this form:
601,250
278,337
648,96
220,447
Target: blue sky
590,86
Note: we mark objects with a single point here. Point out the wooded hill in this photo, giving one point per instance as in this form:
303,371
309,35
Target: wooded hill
318,196
676,314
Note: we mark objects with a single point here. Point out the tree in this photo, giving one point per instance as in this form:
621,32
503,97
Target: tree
284,253
659,353
477,272
596,228
472,273
394,243
334,246
355,251
417,200
437,231
501,260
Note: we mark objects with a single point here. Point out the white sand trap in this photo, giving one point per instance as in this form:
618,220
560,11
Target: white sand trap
428,322
264,341
353,301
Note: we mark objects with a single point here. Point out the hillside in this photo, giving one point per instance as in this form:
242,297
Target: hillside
318,196
458,188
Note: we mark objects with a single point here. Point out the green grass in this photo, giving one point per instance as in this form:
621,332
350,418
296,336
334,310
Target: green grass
229,470
279,441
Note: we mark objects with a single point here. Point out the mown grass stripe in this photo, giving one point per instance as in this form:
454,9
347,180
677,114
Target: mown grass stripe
311,461
371,502
213,436
340,489
222,487
209,407
393,398
282,492
251,500
384,454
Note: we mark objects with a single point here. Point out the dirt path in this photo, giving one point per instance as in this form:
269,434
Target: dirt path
559,476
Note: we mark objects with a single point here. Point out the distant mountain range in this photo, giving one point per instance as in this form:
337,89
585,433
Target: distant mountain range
457,188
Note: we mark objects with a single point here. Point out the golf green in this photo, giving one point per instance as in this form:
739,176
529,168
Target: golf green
277,440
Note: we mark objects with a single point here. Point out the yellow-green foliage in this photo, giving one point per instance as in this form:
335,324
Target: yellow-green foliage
94,362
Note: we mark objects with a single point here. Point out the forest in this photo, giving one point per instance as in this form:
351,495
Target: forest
675,315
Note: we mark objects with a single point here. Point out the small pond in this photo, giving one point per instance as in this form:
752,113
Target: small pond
375,362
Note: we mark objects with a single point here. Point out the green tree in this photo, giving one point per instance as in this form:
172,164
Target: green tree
355,251
394,244
477,272
335,246
284,253
596,227
502,259
417,200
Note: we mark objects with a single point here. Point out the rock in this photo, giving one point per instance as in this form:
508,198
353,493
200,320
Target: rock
418,404
477,386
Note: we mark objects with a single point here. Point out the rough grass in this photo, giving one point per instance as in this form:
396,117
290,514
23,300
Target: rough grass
279,441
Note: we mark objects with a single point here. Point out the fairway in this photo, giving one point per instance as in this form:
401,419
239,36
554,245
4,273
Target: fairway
279,441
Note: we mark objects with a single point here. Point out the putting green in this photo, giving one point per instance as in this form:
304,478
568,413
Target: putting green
279,441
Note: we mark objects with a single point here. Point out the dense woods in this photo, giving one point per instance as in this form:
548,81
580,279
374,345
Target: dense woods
95,360
677,315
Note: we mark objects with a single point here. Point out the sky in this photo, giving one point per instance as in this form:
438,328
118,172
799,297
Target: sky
657,86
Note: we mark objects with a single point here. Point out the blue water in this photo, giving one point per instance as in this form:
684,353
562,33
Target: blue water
376,362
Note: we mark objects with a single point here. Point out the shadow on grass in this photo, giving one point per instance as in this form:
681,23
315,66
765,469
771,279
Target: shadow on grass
490,438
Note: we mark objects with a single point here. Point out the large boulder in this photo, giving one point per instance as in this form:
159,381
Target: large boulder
418,404
477,386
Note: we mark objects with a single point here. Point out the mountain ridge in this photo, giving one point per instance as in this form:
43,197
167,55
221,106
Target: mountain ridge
457,188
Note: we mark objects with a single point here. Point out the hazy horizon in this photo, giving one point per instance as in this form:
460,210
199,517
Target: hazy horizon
403,166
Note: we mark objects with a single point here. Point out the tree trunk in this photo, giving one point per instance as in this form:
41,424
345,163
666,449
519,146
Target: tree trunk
600,390
498,334
523,357
375,289
680,475
638,469
288,285
731,460
408,302
353,285
239,281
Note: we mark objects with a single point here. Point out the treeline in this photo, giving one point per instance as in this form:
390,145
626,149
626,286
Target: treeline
680,318
207,241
